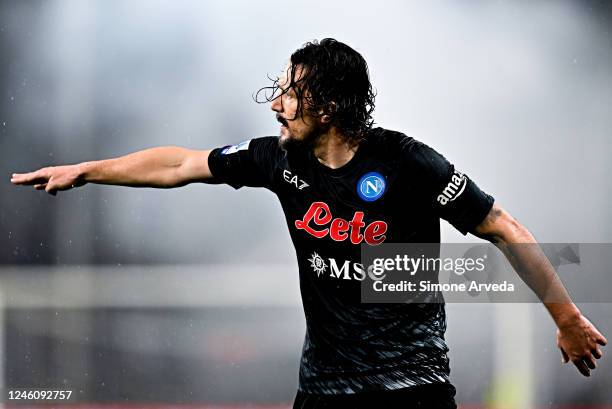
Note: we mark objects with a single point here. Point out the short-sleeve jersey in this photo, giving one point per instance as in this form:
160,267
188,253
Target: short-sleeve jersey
394,189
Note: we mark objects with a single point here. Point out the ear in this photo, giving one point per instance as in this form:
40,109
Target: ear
326,113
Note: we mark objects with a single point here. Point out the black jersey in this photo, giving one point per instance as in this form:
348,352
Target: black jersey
394,189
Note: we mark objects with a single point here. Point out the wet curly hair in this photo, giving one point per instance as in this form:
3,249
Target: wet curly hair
334,82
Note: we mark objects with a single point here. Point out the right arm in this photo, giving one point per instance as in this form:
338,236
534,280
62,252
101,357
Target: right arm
160,167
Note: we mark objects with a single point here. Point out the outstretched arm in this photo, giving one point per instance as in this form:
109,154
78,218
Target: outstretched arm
577,338
161,167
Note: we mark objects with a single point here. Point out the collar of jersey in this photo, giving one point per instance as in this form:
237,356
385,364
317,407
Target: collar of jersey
342,170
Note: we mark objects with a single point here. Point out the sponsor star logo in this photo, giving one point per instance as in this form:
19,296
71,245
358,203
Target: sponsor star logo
317,264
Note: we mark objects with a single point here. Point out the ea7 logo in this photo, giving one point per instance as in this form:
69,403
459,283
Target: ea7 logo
453,189
294,180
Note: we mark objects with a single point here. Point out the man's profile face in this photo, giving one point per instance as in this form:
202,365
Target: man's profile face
298,129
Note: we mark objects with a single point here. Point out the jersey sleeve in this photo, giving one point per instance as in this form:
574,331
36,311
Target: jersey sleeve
452,195
249,163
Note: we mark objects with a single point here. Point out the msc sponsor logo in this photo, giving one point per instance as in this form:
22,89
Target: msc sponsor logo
371,186
355,230
317,263
453,189
348,270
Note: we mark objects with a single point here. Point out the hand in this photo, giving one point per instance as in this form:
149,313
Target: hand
51,179
578,341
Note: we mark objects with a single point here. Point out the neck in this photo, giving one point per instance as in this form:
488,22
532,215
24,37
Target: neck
332,150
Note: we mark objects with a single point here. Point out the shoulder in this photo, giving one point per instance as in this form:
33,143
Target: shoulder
397,144
381,140
412,155
262,148
264,142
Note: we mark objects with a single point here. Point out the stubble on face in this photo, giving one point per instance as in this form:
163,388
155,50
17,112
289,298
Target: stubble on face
299,130
310,133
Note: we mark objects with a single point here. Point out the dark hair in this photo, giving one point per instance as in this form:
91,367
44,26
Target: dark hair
337,83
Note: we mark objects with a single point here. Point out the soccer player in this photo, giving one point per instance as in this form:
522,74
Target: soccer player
341,182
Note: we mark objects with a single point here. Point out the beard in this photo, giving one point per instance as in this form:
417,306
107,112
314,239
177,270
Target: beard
289,143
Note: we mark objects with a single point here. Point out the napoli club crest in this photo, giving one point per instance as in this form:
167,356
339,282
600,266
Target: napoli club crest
371,186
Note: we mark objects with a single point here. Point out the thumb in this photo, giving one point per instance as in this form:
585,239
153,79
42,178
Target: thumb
565,357
599,338
50,188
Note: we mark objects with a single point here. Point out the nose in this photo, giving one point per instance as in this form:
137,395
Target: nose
277,104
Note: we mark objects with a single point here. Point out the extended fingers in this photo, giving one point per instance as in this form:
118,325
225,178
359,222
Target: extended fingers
41,179
586,362
590,361
581,346
29,178
582,367
601,340
597,352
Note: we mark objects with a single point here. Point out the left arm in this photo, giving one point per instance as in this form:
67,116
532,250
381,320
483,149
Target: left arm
577,338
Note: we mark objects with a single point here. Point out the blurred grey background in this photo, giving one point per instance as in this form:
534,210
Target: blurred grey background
517,94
